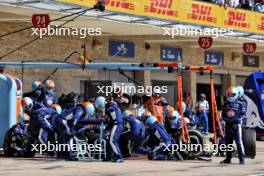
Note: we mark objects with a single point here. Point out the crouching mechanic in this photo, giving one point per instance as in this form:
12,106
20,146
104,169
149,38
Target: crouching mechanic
16,137
75,114
134,132
40,126
231,115
115,124
65,125
164,149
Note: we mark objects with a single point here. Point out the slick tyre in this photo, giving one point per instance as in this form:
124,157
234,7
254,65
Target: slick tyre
195,151
249,142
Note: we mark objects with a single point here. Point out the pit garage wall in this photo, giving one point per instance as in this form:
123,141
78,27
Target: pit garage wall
58,47
47,48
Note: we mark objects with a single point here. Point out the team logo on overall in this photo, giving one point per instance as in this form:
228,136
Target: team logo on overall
50,102
230,113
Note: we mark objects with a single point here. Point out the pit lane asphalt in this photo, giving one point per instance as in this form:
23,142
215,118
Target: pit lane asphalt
139,166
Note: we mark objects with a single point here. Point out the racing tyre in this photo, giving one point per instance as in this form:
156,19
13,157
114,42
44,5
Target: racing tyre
249,142
196,137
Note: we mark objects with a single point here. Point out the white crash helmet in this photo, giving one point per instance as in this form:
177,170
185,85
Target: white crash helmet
57,108
174,115
27,103
49,85
232,94
240,91
89,108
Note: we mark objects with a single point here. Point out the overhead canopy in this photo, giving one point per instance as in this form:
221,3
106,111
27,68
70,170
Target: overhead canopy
106,66
62,65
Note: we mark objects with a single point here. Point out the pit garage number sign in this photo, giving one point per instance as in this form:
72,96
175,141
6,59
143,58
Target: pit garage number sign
214,58
251,61
205,42
170,53
40,20
121,48
249,48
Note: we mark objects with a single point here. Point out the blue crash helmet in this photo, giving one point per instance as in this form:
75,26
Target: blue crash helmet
99,103
23,119
150,120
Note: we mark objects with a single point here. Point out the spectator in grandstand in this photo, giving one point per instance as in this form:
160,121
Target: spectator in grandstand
220,2
227,3
247,4
256,5
233,3
259,6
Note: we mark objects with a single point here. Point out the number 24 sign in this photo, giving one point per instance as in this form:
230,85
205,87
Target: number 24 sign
205,42
40,20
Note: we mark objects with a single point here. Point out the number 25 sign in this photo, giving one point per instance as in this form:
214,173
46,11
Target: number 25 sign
40,20
205,42
249,48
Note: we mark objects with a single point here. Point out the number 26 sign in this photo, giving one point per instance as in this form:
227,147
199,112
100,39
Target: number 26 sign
40,20
249,48
205,42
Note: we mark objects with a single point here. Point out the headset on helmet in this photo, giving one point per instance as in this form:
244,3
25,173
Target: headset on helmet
57,108
89,108
27,103
49,85
100,102
232,94
23,119
240,91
